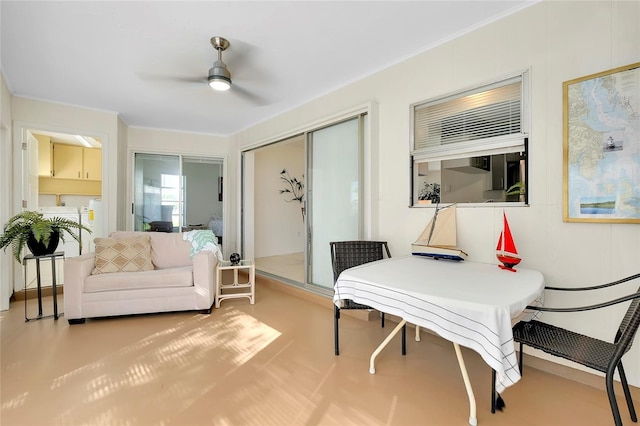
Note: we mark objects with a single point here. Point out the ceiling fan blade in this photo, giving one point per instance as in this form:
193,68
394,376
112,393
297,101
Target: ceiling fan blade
170,78
239,53
247,95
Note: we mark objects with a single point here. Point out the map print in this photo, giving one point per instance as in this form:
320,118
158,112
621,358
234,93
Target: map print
603,147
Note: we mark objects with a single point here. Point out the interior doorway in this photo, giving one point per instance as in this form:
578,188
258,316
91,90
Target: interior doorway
279,200
61,177
299,194
175,193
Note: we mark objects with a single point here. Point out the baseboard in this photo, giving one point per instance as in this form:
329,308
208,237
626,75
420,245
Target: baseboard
366,315
529,361
32,293
570,373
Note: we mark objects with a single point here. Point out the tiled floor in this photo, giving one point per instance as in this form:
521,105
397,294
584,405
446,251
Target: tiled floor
289,266
271,363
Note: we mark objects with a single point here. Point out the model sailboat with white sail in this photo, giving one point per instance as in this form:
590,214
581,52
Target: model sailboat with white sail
438,240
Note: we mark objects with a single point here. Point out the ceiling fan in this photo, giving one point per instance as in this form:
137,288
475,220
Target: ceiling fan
219,76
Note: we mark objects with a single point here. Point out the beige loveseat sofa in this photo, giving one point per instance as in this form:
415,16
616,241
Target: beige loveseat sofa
166,278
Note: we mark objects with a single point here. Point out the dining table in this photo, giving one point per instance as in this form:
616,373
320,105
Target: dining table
470,304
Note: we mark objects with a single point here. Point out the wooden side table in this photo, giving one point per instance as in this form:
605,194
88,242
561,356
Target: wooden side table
53,258
235,289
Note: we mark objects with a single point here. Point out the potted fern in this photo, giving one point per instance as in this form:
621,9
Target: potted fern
41,235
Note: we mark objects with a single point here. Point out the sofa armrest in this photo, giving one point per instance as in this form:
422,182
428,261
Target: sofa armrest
204,278
76,269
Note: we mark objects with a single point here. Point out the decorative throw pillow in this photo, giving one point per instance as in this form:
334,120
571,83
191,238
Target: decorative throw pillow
131,254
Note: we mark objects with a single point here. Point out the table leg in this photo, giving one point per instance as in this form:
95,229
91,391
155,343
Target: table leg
372,368
39,287
218,284
473,420
26,318
53,285
252,280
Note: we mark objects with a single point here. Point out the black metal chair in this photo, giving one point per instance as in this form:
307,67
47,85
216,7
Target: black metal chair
347,254
594,353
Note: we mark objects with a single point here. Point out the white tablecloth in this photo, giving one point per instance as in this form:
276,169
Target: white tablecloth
468,303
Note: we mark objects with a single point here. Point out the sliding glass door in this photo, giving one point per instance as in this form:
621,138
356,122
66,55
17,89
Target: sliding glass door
299,194
334,194
173,193
157,195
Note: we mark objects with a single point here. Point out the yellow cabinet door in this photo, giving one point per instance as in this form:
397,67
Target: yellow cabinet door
45,154
92,164
67,161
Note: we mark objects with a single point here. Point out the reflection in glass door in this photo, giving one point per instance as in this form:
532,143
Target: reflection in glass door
174,193
157,196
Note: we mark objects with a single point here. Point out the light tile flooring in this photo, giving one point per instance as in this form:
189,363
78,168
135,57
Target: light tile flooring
271,363
289,266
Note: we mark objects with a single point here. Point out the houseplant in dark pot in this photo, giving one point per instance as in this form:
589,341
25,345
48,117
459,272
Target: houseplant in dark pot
40,234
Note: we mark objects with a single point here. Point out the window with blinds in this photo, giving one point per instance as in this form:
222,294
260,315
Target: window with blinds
472,144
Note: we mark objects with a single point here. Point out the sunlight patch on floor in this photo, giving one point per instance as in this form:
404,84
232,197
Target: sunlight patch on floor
167,361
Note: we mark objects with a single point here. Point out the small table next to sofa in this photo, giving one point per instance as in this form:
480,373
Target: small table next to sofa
232,290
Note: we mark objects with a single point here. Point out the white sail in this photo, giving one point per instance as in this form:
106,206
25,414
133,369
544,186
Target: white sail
441,229
438,239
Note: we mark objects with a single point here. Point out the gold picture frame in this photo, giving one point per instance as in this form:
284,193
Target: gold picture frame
601,147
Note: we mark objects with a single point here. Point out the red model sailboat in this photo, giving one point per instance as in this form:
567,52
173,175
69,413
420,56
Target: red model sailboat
506,250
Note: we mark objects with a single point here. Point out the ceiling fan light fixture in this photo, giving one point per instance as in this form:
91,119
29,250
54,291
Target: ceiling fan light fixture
219,77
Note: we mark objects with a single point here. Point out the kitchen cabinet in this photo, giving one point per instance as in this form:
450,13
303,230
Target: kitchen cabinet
45,155
76,162
497,171
92,163
67,161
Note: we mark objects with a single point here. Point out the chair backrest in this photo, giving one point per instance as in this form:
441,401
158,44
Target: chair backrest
347,254
629,325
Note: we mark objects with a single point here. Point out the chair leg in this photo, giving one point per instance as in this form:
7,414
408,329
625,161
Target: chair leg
493,391
627,393
520,364
404,339
336,317
497,403
382,319
612,396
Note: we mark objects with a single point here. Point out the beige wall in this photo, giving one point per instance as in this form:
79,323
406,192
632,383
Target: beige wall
558,41
278,226
6,181
121,214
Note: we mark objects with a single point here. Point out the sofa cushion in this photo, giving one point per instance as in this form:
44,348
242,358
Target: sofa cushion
168,250
131,254
177,277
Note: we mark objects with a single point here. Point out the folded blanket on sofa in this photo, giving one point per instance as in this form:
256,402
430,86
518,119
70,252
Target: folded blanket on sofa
203,240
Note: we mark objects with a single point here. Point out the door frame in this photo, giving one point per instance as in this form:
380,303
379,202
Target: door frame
20,129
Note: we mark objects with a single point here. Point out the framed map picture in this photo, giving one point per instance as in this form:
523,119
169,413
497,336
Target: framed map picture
601,179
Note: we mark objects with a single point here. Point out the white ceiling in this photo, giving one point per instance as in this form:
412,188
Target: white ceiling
148,60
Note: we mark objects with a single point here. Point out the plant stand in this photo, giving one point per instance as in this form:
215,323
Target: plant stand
52,257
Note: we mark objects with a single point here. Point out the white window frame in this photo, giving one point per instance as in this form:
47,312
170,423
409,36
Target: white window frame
479,147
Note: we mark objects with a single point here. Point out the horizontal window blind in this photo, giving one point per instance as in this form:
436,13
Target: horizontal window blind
484,113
